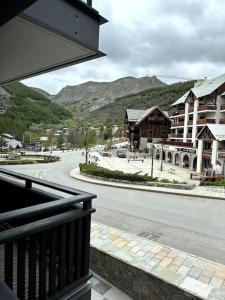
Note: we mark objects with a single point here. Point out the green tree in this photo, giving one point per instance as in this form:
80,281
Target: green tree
60,140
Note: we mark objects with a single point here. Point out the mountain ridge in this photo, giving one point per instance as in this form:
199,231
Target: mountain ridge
105,92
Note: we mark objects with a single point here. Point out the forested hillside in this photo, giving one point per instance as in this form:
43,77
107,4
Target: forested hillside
26,106
162,96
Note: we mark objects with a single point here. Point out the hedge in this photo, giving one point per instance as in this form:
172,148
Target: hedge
93,169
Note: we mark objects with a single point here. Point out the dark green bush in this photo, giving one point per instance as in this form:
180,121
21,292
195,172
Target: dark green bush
93,169
213,183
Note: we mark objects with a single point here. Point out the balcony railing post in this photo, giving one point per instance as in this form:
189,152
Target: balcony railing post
28,184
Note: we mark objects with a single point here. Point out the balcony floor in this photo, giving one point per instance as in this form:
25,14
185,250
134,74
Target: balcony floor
101,290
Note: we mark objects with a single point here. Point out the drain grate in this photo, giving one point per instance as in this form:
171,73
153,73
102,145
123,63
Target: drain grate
149,235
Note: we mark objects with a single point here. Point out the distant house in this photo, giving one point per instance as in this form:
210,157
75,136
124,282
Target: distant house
146,126
11,142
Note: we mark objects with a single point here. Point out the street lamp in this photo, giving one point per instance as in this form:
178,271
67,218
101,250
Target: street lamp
161,166
86,143
152,149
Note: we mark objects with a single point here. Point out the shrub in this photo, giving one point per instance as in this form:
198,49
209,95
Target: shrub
93,169
213,183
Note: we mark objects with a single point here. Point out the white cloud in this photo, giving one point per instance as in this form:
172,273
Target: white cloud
183,38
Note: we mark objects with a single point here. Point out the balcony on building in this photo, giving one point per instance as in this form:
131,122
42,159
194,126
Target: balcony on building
205,121
177,124
176,136
207,153
206,107
222,107
177,143
44,235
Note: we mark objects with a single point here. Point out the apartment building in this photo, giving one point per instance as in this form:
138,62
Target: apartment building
197,136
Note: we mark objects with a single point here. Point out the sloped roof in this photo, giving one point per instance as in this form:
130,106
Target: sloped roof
217,130
147,112
207,87
181,100
134,115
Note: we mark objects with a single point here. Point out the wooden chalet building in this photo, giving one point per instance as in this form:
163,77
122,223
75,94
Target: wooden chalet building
146,126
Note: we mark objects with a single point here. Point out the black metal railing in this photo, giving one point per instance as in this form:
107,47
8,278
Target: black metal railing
44,248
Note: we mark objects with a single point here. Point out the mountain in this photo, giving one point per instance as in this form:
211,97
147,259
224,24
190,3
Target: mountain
87,97
20,106
114,113
99,92
42,92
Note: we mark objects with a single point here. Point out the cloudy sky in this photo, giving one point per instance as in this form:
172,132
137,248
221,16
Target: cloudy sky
174,38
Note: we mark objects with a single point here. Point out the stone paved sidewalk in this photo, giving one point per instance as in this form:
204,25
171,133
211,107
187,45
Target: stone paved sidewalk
196,275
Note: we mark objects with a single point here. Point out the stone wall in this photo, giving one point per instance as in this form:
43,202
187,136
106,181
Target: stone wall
136,283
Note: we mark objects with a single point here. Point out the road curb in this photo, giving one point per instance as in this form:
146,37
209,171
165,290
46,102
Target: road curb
133,187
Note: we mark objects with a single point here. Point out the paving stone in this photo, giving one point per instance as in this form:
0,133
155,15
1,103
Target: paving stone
220,273
163,272
217,294
135,249
194,272
141,253
102,287
216,282
173,267
189,262
204,279
183,270
132,244
161,255
178,261
173,253
156,249
208,272
197,287
166,261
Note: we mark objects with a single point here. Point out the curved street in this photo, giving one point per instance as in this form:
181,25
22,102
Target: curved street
194,225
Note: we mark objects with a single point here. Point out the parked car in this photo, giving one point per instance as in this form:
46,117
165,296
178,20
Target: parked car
122,153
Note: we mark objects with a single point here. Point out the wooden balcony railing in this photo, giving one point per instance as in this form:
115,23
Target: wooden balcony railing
174,135
44,238
202,107
221,154
173,143
222,121
181,112
190,122
222,107
207,153
205,121
181,123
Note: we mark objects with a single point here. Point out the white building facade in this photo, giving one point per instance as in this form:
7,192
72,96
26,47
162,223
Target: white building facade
202,109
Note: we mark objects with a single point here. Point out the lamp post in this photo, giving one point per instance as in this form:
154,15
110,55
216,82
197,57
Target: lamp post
161,166
132,141
86,145
152,148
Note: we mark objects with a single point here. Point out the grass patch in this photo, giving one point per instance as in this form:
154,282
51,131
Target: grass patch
213,183
43,159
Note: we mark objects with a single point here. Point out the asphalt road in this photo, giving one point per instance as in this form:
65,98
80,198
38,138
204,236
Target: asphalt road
194,225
